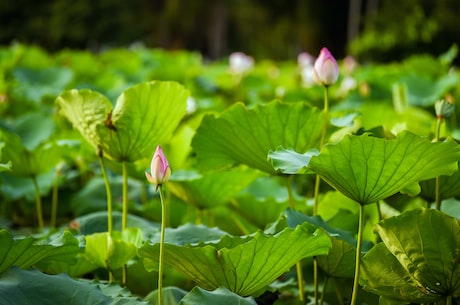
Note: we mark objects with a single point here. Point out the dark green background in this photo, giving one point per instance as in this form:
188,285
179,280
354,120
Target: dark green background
380,29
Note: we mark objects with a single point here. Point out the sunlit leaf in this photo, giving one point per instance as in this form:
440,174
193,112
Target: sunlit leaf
33,287
112,251
144,116
25,252
221,296
189,234
368,169
228,263
289,161
214,188
243,135
418,260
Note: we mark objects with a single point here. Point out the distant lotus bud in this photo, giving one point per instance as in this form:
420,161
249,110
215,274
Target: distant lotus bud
444,108
159,169
305,59
240,62
326,70
349,64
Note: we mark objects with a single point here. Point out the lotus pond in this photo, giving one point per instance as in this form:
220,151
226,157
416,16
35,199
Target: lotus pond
282,191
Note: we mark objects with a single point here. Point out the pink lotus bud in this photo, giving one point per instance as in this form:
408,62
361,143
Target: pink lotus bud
326,70
159,168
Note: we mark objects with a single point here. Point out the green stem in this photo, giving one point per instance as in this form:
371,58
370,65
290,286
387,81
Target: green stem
322,140
437,194
54,200
318,183
298,264
323,293
354,296
437,186
289,190
124,172
298,267
38,205
108,192
315,280
162,242
124,220
449,300
338,294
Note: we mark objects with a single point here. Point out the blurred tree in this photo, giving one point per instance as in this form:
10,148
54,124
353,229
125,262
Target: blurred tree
412,26
262,28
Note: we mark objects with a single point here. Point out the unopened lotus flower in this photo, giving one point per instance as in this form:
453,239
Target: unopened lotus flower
159,169
240,62
326,70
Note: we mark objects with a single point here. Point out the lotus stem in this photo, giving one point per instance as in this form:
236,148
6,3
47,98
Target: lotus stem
354,296
54,200
437,186
337,292
38,205
318,183
124,219
162,243
299,263
326,280
108,192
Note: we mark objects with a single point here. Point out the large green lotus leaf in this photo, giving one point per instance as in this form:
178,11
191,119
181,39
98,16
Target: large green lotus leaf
289,161
242,135
34,84
214,188
381,273
340,261
171,296
189,234
26,252
113,251
33,287
221,296
144,116
258,212
242,264
426,243
368,169
423,91
449,186
34,128
30,162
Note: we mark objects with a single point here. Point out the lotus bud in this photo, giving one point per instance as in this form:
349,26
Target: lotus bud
159,169
240,62
444,108
326,70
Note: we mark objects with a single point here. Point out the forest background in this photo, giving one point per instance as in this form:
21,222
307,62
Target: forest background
378,30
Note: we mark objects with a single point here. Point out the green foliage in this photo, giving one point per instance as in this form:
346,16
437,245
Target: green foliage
147,113
22,287
244,136
227,264
28,251
408,265
243,237
221,295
